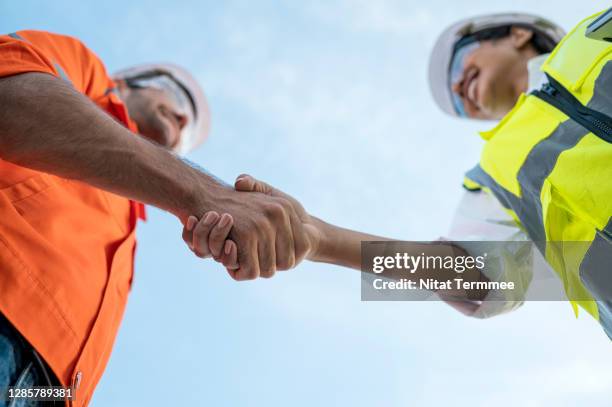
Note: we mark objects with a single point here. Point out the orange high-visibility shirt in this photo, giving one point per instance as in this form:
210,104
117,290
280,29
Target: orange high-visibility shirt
66,248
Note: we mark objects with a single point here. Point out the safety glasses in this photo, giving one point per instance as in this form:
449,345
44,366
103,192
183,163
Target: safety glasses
457,66
179,95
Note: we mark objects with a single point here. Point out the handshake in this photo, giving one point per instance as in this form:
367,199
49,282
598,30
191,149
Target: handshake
256,231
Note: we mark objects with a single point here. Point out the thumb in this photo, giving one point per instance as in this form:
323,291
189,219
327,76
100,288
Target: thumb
247,183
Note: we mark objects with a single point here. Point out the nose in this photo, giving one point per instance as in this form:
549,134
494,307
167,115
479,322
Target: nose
181,120
456,87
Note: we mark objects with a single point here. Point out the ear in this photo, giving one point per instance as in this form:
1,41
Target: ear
520,36
121,84
124,91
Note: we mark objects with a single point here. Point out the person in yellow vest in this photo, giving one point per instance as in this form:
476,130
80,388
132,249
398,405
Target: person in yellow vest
547,162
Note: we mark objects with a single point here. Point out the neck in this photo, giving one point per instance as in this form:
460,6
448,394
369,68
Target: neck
521,83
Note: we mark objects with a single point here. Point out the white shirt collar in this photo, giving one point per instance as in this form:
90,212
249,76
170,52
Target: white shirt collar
536,78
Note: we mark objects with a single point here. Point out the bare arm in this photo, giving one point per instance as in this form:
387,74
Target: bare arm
48,126
340,246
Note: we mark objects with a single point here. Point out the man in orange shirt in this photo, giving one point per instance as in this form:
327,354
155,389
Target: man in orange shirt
73,177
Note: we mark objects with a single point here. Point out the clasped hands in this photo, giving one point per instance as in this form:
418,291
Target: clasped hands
259,231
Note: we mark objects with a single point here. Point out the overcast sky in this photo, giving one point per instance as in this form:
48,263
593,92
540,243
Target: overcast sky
327,100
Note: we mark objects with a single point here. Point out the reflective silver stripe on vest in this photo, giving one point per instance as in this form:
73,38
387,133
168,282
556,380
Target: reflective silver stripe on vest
16,36
114,90
57,66
61,72
598,279
596,275
538,166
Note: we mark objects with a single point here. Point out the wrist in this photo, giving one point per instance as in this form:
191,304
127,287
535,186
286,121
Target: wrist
323,238
202,196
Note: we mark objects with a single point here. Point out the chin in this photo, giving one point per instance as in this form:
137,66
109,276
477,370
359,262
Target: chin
491,111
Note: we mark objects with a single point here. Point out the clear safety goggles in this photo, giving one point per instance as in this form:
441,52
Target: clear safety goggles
463,48
183,102
457,66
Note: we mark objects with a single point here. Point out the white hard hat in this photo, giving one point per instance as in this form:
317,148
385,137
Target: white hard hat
547,34
194,133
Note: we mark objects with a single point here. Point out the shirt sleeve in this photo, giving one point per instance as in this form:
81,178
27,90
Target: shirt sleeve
18,55
480,222
63,56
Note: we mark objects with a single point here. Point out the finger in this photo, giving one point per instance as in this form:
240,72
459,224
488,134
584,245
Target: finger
301,243
284,245
188,230
191,222
233,274
247,183
201,233
219,233
229,257
267,258
249,263
465,307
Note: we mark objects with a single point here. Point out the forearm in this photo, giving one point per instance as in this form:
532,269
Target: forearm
342,247
48,126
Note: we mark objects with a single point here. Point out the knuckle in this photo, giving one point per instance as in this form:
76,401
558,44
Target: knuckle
215,240
285,203
214,232
274,210
248,274
283,263
291,263
201,232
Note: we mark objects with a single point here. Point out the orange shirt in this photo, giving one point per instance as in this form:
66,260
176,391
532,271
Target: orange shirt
66,248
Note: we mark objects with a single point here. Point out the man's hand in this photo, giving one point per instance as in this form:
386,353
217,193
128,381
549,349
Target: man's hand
211,235
212,239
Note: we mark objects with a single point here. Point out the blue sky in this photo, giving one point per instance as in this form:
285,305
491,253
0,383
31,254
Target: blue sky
327,100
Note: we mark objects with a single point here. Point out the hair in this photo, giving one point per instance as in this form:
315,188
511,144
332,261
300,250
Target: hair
541,42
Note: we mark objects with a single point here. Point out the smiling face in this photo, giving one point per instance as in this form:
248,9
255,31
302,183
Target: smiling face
495,74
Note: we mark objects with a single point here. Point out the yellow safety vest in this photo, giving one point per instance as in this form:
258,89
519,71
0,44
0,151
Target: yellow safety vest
549,163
